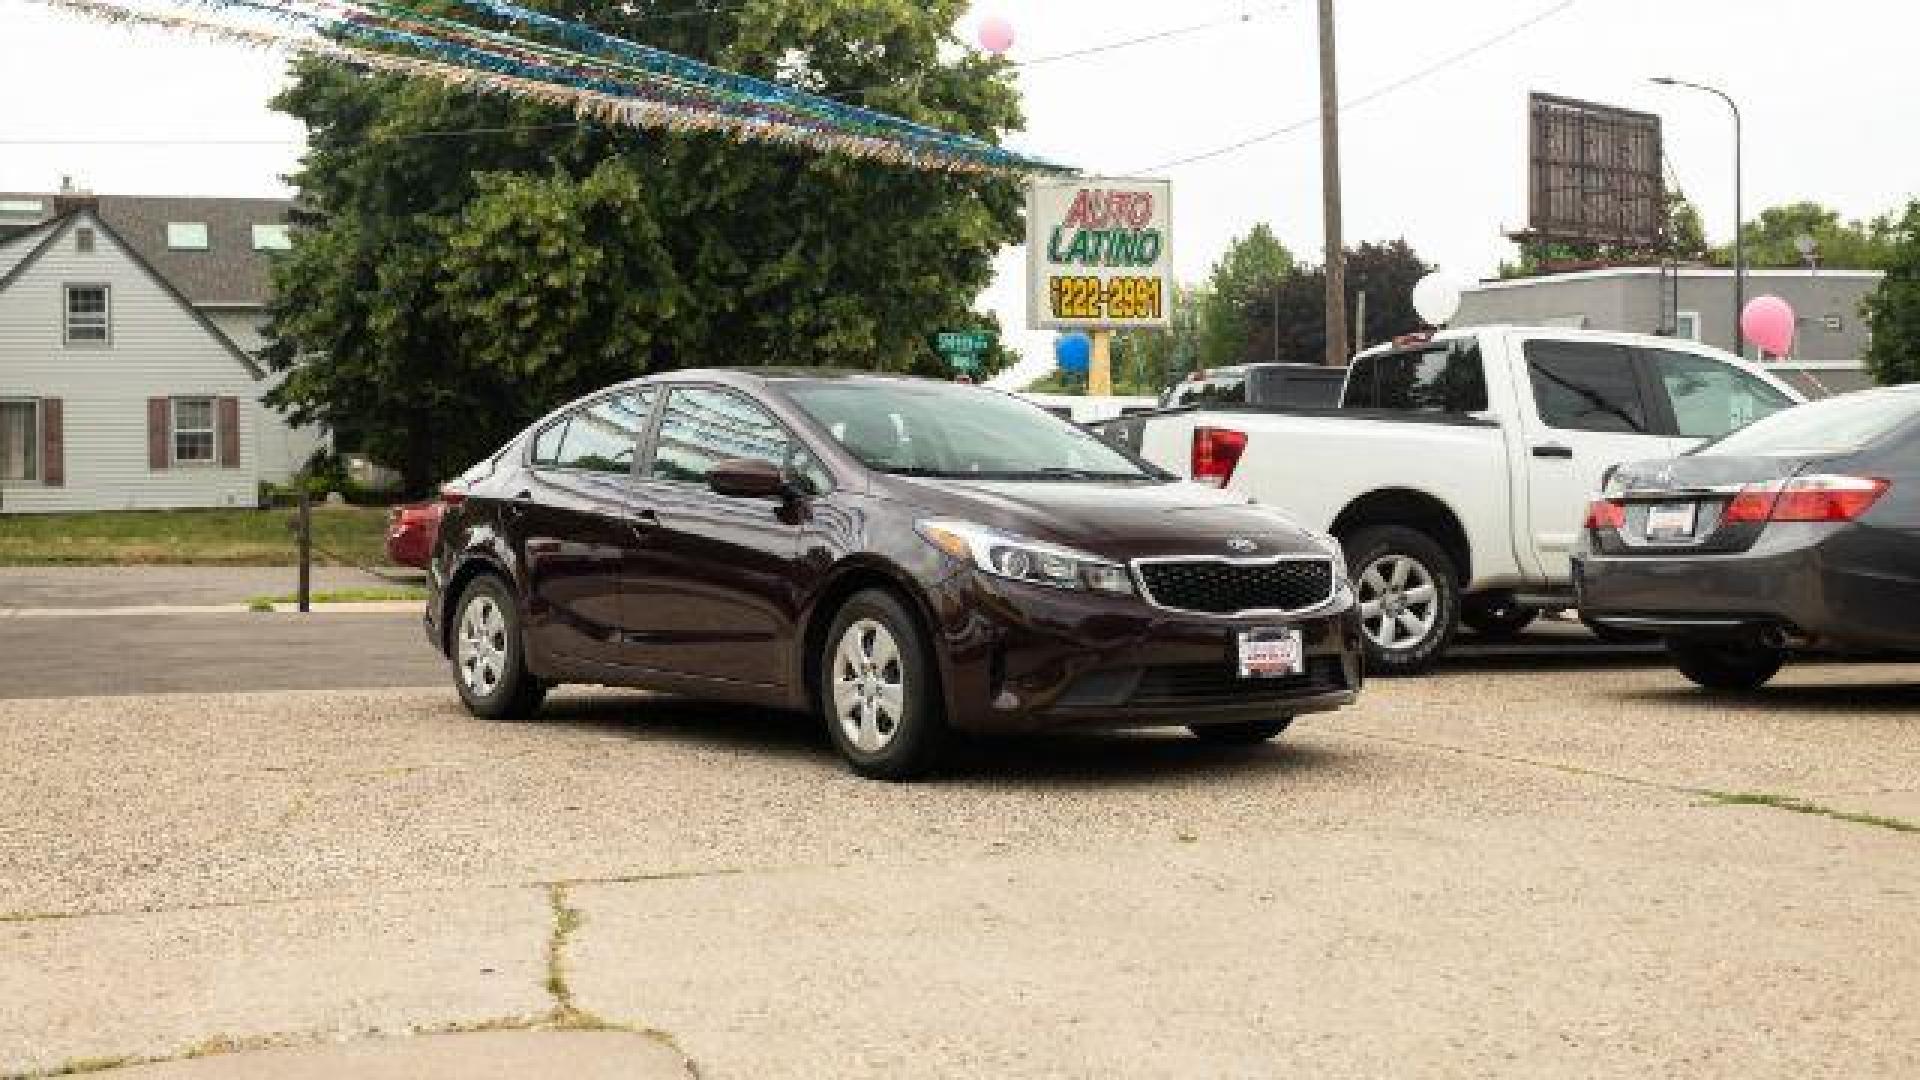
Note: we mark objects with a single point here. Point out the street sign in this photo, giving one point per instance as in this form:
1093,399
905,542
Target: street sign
963,341
1099,254
963,348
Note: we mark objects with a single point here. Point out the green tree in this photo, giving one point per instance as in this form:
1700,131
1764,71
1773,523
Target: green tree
464,262
1893,308
1772,239
1248,274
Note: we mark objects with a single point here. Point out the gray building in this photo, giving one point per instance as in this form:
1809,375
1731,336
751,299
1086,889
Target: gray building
1695,302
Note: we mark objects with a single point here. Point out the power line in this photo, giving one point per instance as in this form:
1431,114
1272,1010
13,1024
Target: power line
1158,35
1371,95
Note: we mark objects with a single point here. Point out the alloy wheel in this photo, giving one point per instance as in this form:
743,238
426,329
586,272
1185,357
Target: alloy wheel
1398,602
483,645
869,685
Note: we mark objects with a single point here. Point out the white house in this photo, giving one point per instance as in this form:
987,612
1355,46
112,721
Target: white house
127,328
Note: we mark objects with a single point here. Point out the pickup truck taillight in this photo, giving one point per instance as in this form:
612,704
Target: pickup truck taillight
1606,514
1216,451
1806,498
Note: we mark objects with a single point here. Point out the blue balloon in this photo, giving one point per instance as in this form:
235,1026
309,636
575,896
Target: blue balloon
1073,353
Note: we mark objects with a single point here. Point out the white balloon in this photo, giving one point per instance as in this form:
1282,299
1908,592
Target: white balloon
1436,299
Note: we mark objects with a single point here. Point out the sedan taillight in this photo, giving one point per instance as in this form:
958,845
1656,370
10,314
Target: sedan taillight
1606,514
1216,452
1807,498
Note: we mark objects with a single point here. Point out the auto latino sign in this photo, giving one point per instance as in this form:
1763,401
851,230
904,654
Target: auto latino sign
1098,254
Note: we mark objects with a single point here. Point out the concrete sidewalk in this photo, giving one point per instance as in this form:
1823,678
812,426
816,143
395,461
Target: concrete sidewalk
174,586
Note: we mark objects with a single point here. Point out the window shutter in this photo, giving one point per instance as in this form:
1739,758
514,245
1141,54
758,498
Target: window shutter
229,434
53,443
157,456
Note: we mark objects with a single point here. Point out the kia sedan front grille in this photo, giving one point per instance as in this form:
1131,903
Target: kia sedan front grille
1237,586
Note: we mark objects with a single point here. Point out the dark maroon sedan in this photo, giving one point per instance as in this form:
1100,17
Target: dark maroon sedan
904,557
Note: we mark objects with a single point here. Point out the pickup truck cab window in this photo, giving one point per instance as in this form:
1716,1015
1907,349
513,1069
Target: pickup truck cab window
1709,399
1586,386
1443,378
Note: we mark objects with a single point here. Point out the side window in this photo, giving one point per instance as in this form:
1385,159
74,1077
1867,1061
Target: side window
599,437
1710,398
702,427
546,445
603,436
1447,379
1586,386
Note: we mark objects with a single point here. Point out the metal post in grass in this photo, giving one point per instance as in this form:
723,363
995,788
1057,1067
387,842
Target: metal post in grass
305,534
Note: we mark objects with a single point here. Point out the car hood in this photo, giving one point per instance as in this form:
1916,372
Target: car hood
1116,521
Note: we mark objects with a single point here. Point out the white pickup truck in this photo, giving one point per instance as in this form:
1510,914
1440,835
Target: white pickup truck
1456,470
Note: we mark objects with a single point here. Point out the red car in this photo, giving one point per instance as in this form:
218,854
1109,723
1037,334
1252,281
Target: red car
411,531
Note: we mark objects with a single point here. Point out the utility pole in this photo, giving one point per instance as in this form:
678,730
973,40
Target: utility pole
1330,193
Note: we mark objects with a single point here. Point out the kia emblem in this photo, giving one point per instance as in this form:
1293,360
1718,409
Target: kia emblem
1241,543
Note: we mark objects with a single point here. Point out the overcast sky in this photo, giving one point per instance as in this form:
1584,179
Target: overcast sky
1830,92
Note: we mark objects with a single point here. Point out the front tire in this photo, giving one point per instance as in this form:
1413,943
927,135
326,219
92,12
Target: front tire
1243,733
1409,598
1727,665
878,692
489,656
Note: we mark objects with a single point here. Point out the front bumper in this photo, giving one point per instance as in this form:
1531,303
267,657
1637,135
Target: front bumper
1025,657
1798,583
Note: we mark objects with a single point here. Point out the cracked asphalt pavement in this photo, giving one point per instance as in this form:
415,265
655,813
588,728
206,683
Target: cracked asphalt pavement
1516,868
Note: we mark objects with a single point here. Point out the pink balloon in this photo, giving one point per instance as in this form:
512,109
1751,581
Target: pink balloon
1768,323
996,34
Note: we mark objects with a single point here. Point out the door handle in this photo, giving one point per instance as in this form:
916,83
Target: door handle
1553,450
519,503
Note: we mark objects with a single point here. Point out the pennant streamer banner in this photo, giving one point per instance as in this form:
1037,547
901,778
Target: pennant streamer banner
599,77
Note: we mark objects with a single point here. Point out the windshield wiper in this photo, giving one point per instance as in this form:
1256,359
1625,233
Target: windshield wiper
1055,472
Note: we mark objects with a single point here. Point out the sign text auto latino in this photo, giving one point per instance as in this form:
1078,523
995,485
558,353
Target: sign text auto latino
1098,253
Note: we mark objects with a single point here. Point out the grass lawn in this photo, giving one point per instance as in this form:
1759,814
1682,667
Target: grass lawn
191,537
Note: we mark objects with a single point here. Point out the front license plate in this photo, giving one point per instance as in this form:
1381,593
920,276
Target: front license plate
1671,521
1271,654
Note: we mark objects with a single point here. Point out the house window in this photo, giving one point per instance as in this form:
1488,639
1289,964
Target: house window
89,315
1686,324
271,237
187,235
193,434
22,208
19,441
83,240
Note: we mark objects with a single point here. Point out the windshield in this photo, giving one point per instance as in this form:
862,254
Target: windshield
940,429
1838,425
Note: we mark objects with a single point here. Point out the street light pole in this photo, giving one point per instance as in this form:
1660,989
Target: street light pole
1739,216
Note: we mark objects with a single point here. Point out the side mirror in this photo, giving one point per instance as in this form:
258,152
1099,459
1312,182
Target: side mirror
748,478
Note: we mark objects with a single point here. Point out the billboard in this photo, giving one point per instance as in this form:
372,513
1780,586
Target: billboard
1099,254
1595,174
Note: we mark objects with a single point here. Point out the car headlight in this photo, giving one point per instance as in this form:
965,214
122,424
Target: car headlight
1021,559
1335,552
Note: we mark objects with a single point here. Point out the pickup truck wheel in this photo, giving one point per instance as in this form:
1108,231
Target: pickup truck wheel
1409,601
1496,615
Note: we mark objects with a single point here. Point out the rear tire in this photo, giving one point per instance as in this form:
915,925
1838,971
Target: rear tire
1243,733
1727,665
1409,599
489,656
1496,616
878,691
